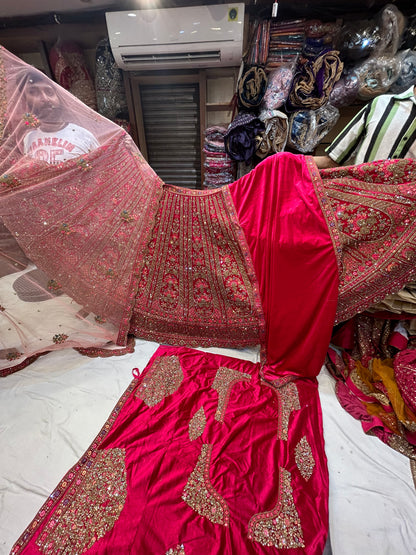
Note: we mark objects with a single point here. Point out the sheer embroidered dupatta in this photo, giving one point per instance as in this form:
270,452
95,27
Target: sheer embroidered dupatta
70,231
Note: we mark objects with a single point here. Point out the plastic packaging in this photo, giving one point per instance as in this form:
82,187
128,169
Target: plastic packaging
407,76
111,97
274,137
345,90
307,128
376,75
278,87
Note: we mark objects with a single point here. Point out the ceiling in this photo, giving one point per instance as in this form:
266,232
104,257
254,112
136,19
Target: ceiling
11,10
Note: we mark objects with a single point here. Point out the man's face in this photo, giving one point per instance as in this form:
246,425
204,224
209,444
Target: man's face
43,101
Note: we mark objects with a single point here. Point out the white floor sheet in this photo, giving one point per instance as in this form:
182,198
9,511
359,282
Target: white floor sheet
51,411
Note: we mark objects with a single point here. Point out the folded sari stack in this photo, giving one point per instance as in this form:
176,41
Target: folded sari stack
286,42
259,48
219,168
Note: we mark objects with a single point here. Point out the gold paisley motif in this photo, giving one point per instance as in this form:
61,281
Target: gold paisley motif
288,401
224,381
197,424
304,458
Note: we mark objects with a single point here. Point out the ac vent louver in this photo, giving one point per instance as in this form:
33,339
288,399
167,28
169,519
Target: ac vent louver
174,57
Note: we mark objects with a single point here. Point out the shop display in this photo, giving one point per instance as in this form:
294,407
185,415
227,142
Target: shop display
71,72
219,168
111,96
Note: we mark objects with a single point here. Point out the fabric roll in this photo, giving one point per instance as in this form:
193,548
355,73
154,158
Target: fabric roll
345,90
307,128
376,75
219,168
240,138
274,137
278,87
314,80
251,87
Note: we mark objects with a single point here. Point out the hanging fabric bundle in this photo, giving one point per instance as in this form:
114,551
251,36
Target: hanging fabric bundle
111,96
278,87
274,137
314,81
392,24
251,87
407,76
71,72
345,90
240,138
376,75
307,128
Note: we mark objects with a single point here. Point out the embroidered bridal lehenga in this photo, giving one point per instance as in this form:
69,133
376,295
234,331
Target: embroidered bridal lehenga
203,453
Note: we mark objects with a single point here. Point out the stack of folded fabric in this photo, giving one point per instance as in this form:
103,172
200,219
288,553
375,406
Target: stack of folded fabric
285,43
259,47
219,168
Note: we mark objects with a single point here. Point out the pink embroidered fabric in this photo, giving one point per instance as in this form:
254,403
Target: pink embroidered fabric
252,476
94,247
71,223
372,211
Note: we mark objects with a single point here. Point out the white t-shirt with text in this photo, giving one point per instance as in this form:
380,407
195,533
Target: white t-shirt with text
59,146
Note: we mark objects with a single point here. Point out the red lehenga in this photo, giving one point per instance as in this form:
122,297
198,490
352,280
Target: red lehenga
203,453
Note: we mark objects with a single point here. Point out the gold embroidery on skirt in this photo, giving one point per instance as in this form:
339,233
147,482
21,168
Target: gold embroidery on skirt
96,505
304,458
197,424
201,496
288,401
281,526
223,383
178,550
163,378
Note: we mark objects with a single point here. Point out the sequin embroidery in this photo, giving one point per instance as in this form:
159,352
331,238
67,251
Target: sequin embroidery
304,458
178,550
373,222
224,381
201,496
163,378
281,526
196,285
99,497
197,424
288,399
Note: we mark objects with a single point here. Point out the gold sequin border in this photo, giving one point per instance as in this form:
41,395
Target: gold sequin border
70,477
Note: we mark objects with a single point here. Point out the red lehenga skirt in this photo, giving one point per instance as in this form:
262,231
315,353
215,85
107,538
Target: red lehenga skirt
200,455
209,454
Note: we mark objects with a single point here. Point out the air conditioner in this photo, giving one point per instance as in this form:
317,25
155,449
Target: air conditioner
198,36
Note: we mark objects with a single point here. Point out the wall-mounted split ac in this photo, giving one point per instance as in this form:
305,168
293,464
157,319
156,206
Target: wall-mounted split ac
197,36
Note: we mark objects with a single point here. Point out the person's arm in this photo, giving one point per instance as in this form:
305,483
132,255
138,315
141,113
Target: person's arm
324,162
343,146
